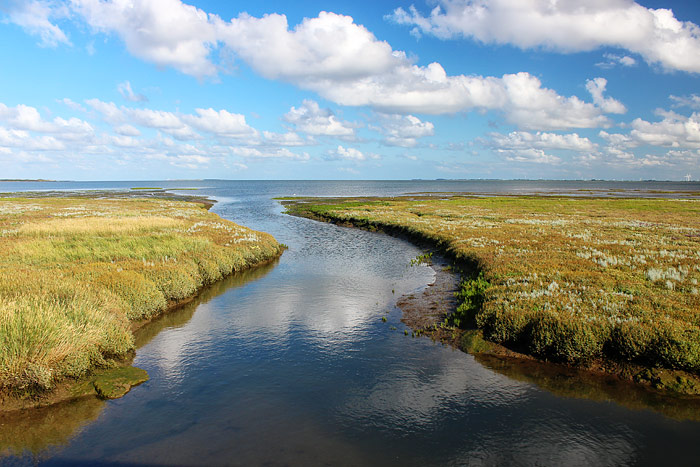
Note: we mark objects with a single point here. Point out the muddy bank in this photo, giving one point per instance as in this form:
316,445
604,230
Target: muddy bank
425,310
628,385
425,314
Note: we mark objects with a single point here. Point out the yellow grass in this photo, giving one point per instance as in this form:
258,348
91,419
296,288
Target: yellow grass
97,226
75,272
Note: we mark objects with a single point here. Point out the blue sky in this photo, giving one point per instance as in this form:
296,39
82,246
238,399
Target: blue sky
160,89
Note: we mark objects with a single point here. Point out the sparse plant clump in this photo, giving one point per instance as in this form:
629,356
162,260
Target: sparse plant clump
74,273
564,279
422,259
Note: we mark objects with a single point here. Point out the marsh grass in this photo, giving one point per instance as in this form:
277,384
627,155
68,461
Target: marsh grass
74,274
565,279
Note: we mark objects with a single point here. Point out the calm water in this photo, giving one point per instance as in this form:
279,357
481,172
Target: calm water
292,364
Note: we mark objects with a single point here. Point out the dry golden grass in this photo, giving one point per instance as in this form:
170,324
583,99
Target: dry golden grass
565,279
75,272
97,226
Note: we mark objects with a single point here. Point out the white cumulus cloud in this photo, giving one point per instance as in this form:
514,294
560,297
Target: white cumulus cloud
612,60
675,131
596,87
692,101
72,105
285,139
24,117
221,123
565,26
128,93
127,130
541,140
345,63
309,118
404,130
618,139
164,32
330,46
109,110
154,118
338,59
272,153
529,156
10,138
530,106
35,17
678,133
350,154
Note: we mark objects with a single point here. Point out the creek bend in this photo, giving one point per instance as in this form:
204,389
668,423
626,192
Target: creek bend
292,364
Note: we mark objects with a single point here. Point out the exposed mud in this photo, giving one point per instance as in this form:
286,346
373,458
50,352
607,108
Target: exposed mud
425,313
673,393
427,309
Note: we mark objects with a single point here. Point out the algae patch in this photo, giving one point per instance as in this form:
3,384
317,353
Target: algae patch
473,342
110,384
114,383
675,381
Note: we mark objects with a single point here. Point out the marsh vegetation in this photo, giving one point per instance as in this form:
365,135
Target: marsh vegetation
76,274
571,280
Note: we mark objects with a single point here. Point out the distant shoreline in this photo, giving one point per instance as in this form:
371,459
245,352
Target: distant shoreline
573,180
26,180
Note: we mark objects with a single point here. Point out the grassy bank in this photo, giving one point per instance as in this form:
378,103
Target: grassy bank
565,279
77,273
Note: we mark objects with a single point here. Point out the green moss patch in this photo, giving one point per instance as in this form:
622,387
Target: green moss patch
113,384
473,342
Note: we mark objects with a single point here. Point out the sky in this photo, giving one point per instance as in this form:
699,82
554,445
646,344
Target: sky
456,89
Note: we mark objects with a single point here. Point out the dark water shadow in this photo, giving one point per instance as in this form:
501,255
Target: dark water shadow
181,316
35,432
569,382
